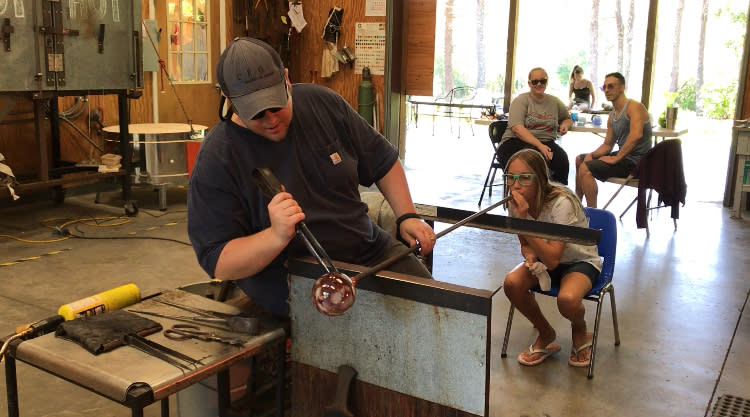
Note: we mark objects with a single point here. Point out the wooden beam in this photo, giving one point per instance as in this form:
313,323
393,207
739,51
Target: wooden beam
648,59
510,55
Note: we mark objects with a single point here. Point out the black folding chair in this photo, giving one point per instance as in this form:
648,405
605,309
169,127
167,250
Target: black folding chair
496,130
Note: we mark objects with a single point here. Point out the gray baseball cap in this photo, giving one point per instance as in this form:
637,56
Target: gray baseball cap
251,75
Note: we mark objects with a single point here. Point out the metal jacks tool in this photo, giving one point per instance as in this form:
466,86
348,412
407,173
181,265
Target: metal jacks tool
160,351
270,185
236,324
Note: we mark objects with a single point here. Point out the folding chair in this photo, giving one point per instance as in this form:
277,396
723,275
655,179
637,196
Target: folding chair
457,95
463,95
496,130
604,221
660,169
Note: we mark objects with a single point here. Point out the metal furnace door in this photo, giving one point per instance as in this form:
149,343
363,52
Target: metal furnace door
19,59
71,45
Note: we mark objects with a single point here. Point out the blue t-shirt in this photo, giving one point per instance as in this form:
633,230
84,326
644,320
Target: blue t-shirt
328,152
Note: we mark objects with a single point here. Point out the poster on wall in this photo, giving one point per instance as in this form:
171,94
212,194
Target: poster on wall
369,47
375,8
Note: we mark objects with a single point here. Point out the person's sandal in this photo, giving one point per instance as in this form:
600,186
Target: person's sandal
546,352
573,359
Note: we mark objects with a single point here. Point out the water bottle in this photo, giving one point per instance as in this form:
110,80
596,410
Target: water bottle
574,113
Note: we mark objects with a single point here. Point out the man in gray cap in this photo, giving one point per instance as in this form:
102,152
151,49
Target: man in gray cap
321,150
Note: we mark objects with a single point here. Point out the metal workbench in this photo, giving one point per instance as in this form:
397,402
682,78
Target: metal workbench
133,378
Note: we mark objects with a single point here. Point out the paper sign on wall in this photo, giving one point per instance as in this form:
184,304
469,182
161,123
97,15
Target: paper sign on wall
375,8
369,47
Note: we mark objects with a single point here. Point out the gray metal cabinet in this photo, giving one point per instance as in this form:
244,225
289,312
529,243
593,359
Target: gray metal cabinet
70,45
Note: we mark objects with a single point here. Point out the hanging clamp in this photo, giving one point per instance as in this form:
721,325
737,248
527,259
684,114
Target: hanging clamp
100,38
6,31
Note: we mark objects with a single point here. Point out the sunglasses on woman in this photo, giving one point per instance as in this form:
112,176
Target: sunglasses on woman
543,81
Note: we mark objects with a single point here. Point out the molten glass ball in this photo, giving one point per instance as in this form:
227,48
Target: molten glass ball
333,294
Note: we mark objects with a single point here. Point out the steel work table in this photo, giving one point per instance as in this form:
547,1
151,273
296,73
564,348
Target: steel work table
135,379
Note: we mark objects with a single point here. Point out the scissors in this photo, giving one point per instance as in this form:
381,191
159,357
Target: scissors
191,331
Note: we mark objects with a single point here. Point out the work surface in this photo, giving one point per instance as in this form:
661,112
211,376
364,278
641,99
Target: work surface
117,373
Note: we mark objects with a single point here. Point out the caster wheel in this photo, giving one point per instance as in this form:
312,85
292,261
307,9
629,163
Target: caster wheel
131,209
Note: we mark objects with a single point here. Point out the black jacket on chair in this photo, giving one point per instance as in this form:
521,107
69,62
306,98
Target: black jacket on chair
661,170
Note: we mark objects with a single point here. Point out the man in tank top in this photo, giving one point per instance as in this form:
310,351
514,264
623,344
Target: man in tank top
629,127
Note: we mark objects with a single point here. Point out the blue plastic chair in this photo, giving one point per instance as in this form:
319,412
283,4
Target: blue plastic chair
605,221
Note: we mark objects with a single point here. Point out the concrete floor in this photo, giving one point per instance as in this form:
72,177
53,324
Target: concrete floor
681,296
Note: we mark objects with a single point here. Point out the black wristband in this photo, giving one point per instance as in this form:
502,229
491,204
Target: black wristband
398,225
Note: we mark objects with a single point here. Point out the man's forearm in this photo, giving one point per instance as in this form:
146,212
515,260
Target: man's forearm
396,190
602,150
627,147
246,256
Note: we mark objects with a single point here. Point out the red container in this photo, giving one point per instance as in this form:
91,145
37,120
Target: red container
191,152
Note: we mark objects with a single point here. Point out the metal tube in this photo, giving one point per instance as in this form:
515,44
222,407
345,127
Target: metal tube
393,259
318,248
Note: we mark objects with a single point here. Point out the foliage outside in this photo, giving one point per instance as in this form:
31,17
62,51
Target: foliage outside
720,101
686,95
726,26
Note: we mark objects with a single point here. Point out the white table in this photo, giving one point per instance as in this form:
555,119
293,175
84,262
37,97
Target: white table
657,132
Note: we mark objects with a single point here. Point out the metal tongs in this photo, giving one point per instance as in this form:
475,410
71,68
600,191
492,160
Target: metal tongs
270,186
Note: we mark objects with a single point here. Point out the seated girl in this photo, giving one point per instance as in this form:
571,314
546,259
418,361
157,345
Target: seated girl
572,267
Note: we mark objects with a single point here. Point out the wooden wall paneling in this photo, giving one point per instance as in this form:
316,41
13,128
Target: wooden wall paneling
308,46
17,135
262,21
420,44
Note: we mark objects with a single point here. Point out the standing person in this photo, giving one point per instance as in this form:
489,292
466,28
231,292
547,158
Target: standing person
321,150
581,89
534,121
628,126
571,266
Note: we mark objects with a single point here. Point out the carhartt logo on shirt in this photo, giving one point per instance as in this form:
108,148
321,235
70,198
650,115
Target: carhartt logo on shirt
335,158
